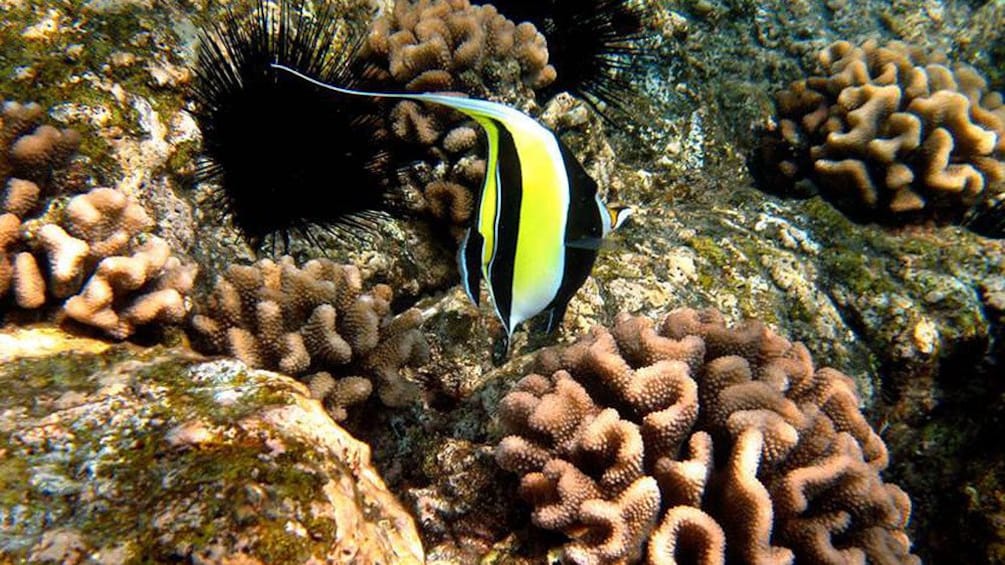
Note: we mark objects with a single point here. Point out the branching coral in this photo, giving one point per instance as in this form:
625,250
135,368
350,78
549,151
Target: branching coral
315,318
891,132
450,45
98,254
696,441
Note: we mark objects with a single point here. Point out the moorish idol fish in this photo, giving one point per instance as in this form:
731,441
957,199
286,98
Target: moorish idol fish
538,221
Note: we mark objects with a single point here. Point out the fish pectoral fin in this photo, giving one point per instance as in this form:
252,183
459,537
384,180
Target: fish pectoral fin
469,263
592,243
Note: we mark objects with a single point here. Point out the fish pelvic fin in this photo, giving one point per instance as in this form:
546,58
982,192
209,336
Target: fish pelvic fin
555,316
469,264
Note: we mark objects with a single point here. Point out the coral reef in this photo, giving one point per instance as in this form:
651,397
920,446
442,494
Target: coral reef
451,45
889,132
315,318
697,439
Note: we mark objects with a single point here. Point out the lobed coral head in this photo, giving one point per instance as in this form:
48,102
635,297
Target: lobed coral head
890,133
315,321
691,441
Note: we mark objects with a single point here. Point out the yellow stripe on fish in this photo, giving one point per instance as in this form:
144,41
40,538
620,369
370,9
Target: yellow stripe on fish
538,219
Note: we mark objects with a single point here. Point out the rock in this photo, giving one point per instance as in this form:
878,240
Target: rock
162,455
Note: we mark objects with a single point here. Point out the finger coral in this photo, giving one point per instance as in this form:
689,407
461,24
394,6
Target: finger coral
98,254
891,133
314,319
452,45
694,441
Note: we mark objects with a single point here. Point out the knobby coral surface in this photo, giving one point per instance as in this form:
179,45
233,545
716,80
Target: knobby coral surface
692,441
97,255
433,45
450,45
312,321
29,153
893,133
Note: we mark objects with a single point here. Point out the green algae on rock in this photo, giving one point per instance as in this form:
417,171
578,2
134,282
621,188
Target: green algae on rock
160,454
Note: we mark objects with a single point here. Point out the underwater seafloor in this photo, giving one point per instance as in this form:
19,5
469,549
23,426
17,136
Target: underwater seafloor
144,450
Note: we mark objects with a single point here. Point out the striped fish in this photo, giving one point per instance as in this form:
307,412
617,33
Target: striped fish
538,221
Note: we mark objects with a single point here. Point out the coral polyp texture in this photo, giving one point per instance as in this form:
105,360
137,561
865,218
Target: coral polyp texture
98,258
451,45
314,321
691,441
433,45
891,133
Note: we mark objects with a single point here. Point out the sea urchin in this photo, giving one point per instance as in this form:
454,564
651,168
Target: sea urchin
596,46
288,157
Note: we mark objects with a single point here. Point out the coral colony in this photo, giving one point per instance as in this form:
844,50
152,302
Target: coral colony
459,47
892,134
96,257
692,438
312,321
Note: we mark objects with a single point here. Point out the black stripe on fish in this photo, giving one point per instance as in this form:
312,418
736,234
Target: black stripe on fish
584,230
507,226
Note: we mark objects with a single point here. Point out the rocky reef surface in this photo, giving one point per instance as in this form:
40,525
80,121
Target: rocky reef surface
119,453
915,315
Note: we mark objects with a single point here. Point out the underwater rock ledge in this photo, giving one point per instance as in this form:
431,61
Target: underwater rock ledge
116,454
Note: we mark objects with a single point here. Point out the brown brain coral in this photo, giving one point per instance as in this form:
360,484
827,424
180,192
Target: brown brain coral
451,45
314,318
694,441
896,132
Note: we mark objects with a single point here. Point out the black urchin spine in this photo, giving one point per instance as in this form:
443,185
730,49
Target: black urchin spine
289,157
